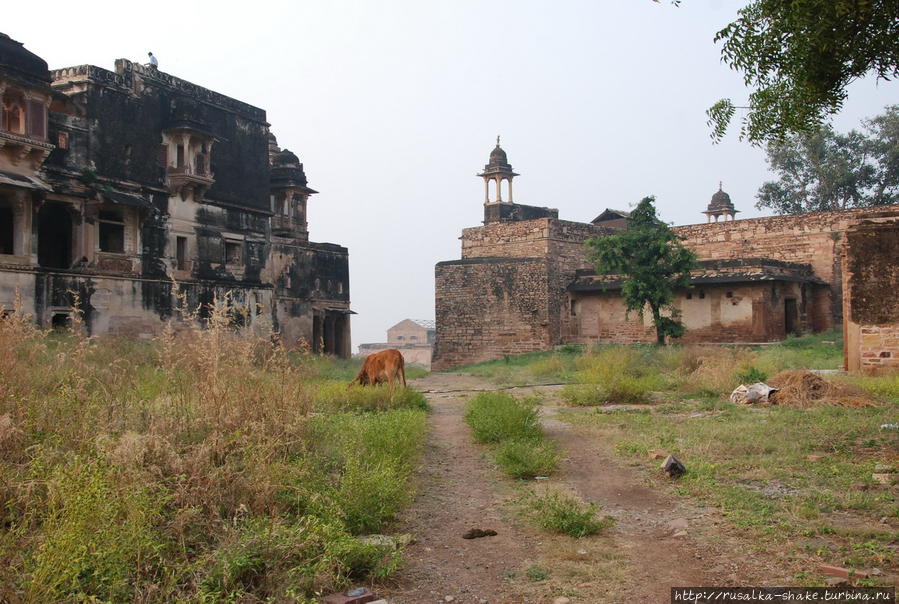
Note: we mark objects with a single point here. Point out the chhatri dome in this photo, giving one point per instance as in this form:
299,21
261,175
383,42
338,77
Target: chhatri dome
497,170
721,205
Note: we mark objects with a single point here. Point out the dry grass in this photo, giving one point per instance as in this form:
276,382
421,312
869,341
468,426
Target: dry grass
804,389
191,467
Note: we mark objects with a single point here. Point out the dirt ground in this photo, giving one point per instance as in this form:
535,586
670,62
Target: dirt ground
638,560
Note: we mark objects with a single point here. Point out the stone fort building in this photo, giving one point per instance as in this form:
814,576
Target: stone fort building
523,282
115,185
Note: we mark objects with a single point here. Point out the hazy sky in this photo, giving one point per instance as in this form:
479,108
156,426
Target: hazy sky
395,105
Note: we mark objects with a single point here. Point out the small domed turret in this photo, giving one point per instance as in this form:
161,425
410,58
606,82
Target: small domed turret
720,205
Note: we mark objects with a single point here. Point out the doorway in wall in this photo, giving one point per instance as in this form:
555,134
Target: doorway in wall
54,236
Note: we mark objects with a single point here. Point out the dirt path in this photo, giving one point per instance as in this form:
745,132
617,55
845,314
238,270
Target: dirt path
636,561
458,490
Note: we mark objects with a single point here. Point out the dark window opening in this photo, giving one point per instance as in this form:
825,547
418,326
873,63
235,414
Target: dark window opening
689,296
179,156
60,321
400,337
54,236
729,295
573,308
791,317
37,120
701,294
112,232
181,253
200,161
6,231
62,140
233,252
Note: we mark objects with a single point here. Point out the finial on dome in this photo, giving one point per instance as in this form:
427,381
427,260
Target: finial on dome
497,140
720,185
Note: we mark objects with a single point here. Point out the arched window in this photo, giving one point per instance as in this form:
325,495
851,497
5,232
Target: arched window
13,118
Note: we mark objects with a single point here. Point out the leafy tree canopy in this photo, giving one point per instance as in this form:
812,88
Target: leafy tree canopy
826,170
653,263
799,56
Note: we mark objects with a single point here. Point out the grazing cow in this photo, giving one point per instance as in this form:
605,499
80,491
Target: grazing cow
380,367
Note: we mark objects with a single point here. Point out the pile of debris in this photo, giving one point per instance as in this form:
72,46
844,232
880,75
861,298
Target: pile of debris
802,390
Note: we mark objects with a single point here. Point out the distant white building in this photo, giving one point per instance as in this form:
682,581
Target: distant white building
413,338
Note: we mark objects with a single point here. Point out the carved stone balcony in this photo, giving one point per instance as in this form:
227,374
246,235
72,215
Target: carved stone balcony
184,182
21,148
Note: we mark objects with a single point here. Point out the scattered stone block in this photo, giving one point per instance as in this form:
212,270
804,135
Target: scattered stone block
883,468
657,454
859,486
561,600
357,595
673,467
884,478
680,534
836,582
814,458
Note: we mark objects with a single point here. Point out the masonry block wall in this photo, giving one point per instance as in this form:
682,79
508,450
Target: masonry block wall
871,307
804,238
811,239
488,307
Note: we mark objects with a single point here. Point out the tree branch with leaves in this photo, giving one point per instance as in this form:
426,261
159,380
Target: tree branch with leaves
799,56
653,263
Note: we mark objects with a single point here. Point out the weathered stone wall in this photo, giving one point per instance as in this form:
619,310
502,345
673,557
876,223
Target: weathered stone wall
741,313
488,307
804,238
871,279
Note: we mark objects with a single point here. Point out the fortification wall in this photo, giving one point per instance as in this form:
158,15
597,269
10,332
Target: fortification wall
489,307
871,276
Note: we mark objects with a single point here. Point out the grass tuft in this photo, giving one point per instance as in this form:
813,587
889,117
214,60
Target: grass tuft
527,458
496,416
567,514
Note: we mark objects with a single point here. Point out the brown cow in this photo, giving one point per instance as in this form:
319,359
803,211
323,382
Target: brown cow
380,367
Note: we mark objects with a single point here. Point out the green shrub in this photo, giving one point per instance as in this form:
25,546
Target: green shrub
567,514
372,456
751,375
95,537
338,396
281,561
527,458
495,416
616,374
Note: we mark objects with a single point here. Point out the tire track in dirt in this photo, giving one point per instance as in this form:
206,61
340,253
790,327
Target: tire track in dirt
459,489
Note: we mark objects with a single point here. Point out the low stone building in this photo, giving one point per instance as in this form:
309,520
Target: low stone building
413,338
117,185
524,284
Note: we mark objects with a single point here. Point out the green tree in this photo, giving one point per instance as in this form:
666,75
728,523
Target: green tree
826,170
653,263
799,56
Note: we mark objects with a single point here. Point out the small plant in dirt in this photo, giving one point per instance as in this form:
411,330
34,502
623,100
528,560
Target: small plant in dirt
567,514
751,375
536,574
495,416
527,458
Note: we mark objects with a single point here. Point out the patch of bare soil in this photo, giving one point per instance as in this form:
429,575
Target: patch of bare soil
458,490
658,541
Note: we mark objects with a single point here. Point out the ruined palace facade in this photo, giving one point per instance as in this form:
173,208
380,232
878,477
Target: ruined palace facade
523,282
124,190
